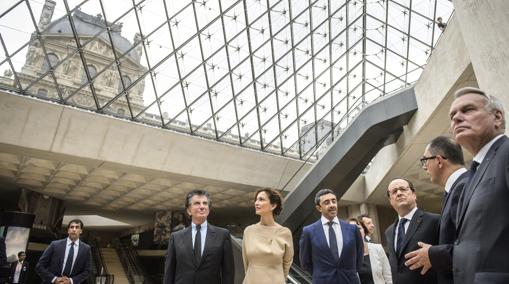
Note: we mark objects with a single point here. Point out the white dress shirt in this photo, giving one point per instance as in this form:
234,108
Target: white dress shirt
479,157
67,248
337,230
203,233
17,272
409,218
452,178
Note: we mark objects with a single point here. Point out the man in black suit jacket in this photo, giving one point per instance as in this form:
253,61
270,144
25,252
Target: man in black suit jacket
444,163
481,249
19,270
200,253
66,261
413,225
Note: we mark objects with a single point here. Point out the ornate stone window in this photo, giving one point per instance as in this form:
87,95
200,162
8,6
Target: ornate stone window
127,83
42,93
91,70
53,60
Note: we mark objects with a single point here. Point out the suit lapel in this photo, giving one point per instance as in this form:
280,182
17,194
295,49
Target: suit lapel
453,188
414,224
322,239
469,191
79,258
61,247
209,240
392,236
346,238
188,243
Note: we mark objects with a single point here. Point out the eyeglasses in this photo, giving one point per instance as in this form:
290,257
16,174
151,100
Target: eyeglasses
425,159
394,191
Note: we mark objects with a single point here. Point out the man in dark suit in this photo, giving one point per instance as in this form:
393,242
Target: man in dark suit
19,270
331,250
482,245
412,226
200,253
444,163
66,261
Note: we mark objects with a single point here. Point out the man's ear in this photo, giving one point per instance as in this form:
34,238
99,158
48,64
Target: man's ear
319,208
499,118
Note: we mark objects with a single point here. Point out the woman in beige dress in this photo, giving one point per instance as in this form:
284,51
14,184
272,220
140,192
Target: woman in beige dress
267,247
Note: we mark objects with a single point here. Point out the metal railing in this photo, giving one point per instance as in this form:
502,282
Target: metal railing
132,265
100,273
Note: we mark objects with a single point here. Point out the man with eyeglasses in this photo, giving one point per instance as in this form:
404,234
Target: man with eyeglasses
444,163
481,248
412,226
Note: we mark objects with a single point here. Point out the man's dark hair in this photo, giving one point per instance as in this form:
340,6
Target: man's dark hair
410,185
20,253
76,221
194,192
447,148
323,192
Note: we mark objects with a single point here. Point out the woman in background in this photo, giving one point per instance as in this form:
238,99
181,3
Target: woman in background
267,247
375,267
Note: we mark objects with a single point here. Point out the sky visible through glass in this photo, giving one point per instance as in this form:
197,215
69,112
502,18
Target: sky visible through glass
278,76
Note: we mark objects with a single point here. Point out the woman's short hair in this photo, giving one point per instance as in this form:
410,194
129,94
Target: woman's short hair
275,198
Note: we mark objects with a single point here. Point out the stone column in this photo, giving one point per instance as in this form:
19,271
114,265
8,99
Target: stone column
485,29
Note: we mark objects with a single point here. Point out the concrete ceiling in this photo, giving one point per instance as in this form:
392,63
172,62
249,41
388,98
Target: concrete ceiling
112,188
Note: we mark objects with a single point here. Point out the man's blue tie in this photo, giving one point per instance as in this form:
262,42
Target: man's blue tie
68,263
401,235
333,242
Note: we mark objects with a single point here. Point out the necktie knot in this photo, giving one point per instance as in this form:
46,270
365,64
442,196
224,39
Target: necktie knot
403,221
198,227
330,223
473,166
72,244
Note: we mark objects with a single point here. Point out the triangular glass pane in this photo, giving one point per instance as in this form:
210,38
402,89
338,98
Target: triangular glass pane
183,25
248,127
226,120
221,94
217,68
16,27
172,104
201,114
288,115
245,101
268,109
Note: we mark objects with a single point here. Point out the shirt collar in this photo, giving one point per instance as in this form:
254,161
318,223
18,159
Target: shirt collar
409,215
452,178
326,221
202,226
479,157
77,242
